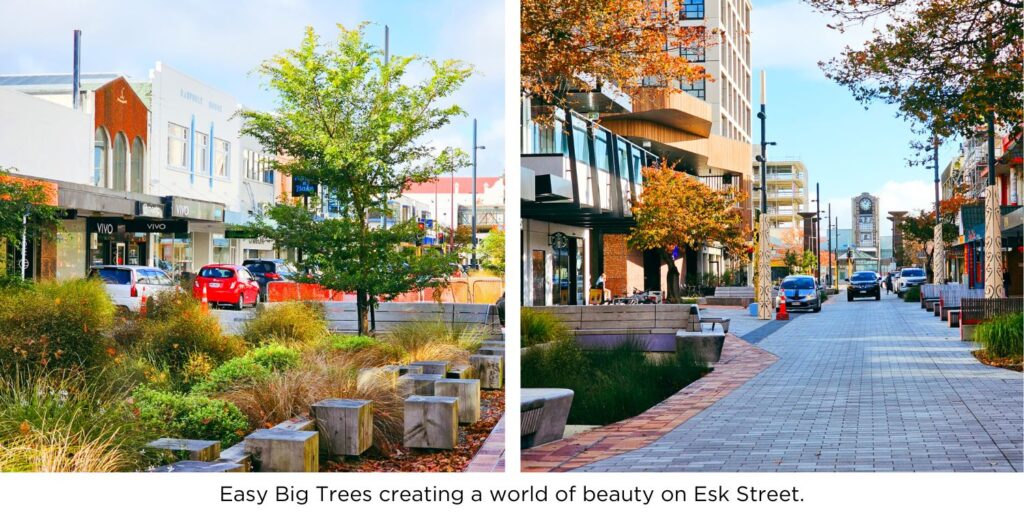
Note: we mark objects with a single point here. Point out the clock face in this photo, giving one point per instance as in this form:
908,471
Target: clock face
865,204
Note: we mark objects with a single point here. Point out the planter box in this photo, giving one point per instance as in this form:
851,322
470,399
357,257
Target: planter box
706,346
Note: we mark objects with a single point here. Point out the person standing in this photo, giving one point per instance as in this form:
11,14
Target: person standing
888,282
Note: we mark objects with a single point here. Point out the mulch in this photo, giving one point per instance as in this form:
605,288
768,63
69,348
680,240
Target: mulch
1009,363
471,438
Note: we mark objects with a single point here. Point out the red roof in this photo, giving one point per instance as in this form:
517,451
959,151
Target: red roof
444,185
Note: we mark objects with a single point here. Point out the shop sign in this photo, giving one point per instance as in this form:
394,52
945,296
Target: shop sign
302,186
110,226
144,209
199,210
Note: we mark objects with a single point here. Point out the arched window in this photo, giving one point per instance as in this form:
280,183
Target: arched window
120,162
138,157
99,158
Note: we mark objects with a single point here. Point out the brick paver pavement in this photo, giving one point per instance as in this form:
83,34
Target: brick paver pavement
863,386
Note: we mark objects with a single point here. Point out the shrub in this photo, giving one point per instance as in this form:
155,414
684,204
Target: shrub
913,294
177,328
298,322
59,421
350,343
55,325
255,366
1002,336
190,416
540,327
430,341
611,384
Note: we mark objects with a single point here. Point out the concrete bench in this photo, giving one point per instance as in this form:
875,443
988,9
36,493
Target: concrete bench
341,316
554,414
345,425
281,450
431,422
705,346
731,296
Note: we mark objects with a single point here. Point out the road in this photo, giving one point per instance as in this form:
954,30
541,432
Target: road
862,386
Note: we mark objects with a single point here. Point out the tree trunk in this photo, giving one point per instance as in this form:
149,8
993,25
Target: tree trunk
362,318
672,278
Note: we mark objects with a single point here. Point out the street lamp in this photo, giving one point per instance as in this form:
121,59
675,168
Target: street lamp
764,278
472,261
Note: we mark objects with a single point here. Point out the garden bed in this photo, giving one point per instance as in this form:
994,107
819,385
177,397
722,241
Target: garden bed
471,438
1008,363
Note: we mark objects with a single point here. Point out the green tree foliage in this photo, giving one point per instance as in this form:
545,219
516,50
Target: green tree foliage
944,64
492,250
19,197
358,126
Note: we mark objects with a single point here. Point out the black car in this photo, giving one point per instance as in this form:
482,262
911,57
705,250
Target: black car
266,270
863,284
799,292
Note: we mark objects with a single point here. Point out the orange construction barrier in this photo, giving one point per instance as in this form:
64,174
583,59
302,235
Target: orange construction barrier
205,302
142,306
782,314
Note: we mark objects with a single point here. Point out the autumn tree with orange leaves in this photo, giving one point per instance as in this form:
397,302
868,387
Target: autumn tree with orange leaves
573,45
677,210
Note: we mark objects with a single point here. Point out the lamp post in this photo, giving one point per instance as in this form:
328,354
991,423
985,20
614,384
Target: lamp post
817,229
472,261
764,278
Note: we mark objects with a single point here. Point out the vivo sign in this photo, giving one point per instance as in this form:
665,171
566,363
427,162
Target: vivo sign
112,225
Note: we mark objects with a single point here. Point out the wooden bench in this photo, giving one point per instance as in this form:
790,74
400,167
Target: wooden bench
929,293
731,296
950,297
341,316
974,311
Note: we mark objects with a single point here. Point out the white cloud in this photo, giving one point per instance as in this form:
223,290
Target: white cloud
790,35
893,195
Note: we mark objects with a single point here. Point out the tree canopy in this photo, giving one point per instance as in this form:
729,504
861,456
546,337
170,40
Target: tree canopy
566,44
492,249
18,198
360,127
943,63
676,210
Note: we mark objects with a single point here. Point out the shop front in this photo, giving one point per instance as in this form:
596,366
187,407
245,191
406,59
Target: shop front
120,241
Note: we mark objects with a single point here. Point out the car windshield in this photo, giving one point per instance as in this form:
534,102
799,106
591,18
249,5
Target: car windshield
798,283
112,275
217,273
913,272
863,276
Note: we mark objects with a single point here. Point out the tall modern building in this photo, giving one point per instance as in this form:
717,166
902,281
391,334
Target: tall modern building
728,62
788,194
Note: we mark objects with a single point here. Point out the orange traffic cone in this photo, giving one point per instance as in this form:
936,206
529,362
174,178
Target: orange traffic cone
782,314
205,302
142,306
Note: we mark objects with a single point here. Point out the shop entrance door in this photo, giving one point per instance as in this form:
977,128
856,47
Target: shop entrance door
119,251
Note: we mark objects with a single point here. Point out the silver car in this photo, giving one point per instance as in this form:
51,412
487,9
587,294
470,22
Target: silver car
909,277
128,284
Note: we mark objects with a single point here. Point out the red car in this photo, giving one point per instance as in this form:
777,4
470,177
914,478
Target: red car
228,285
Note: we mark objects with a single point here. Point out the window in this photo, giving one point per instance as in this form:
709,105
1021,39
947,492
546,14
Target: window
692,10
580,141
257,166
692,53
138,157
696,89
202,153
221,158
120,162
177,146
601,150
99,158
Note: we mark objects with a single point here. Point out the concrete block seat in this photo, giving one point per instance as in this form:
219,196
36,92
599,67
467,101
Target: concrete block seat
549,424
698,320
281,450
431,422
345,425
731,296
187,449
705,346
198,466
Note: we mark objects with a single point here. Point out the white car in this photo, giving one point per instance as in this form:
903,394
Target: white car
128,284
908,277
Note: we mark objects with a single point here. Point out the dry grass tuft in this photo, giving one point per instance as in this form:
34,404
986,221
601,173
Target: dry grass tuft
62,451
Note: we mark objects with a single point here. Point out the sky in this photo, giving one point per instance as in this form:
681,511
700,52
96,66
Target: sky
846,148
220,43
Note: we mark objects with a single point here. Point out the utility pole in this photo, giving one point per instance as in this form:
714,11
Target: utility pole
472,261
817,229
828,222
764,278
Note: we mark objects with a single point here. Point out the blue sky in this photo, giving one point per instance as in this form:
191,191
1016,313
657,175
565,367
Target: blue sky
846,148
220,42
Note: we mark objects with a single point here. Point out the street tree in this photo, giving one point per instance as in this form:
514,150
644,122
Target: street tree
358,125
944,64
808,262
918,228
677,211
573,45
492,250
26,208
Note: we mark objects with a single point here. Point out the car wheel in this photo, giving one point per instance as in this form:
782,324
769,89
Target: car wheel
849,298
241,302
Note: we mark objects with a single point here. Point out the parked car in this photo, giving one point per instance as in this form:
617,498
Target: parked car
227,285
910,276
864,284
799,292
267,270
128,284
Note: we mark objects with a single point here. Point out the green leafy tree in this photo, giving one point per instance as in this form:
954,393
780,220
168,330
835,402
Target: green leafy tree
808,261
20,198
358,125
945,64
492,250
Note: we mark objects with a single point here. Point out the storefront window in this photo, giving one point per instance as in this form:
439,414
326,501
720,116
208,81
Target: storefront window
71,250
175,254
221,249
539,277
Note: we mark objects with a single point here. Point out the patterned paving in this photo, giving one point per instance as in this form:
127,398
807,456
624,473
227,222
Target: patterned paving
491,456
740,361
863,386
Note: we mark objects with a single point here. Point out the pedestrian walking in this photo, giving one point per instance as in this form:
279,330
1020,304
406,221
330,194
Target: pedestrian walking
888,283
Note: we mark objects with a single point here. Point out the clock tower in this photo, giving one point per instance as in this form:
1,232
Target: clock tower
866,237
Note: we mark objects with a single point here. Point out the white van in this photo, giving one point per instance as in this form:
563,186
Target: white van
128,284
